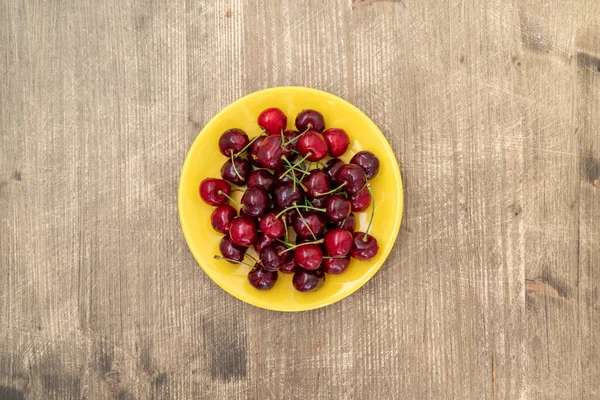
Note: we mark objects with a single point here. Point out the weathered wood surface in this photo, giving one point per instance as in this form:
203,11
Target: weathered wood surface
492,291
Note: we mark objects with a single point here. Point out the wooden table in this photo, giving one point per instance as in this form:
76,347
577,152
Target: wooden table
492,290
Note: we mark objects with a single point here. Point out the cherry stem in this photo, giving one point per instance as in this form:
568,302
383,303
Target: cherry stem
234,168
229,197
286,230
372,212
292,140
253,259
233,261
332,190
262,133
301,244
297,206
306,224
293,176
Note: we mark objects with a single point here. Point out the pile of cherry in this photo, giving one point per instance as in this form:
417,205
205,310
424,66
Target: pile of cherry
289,185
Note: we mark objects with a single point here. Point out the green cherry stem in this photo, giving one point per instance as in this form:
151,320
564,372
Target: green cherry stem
233,261
301,244
234,168
372,212
332,190
306,224
262,133
295,207
253,259
292,140
229,197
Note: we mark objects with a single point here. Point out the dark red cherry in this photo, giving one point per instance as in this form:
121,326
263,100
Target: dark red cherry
253,152
335,266
338,208
337,141
316,183
360,200
307,221
262,241
312,142
231,250
271,257
243,231
272,226
319,202
353,176
309,256
306,281
262,279
368,161
270,152
222,217
338,242
290,144
213,191
310,119
349,223
284,195
273,120
255,202
332,167
361,249
262,177
232,140
243,168
290,266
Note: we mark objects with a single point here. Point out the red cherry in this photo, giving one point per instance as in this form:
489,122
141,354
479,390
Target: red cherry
231,250
332,167
290,266
338,208
335,266
213,191
316,183
284,195
272,226
222,217
368,161
262,279
312,142
337,141
360,200
255,202
262,241
273,120
309,256
306,222
232,140
243,168
253,152
288,137
353,176
361,249
319,202
338,242
270,152
243,231
306,281
262,177
272,256
310,119
349,223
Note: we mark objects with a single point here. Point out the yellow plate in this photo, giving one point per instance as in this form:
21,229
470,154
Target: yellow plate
205,160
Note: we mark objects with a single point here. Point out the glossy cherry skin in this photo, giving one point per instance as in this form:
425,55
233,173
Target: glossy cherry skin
255,202
337,141
309,256
310,119
244,169
312,142
354,177
231,250
273,120
360,200
262,177
270,152
262,241
253,152
222,217
338,242
363,250
368,161
349,223
306,281
335,266
211,191
262,279
284,195
338,208
272,256
243,231
332,167
272,226
232,140
319,202
290,266
310,219
316,183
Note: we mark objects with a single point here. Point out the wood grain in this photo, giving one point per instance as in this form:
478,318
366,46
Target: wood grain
492,290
